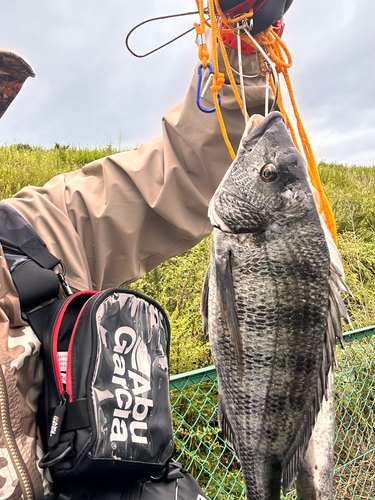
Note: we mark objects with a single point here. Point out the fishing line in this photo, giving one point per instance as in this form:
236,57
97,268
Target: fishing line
159,19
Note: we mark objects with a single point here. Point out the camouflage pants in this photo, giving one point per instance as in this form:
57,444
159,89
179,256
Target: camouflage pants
21,374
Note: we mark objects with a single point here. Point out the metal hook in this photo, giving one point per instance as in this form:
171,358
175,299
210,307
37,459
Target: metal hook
239,51
199,85
270,65
255,75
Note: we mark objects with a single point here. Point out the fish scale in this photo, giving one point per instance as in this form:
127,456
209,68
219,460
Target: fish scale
266,307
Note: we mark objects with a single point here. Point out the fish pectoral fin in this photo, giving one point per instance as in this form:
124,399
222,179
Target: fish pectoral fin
226,427
204,302
227,301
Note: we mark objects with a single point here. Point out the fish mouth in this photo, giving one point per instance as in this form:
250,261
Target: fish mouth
257,127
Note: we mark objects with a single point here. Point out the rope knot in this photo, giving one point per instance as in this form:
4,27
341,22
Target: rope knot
217,82
203,55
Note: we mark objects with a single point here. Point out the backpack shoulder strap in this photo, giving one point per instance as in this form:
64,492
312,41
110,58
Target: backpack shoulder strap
30,262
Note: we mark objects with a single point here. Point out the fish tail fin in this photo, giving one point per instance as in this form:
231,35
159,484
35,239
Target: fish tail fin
267,486
274,482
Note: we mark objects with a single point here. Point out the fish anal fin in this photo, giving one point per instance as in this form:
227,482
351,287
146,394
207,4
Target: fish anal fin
224,280
226,427
293,461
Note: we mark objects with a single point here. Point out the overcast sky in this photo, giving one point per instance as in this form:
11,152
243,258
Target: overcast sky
90,91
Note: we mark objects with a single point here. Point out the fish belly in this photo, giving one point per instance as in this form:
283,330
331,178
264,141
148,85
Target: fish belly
315,477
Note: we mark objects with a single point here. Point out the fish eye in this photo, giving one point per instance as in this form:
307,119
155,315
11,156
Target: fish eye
268,173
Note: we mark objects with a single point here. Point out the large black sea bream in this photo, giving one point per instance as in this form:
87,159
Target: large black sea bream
272,308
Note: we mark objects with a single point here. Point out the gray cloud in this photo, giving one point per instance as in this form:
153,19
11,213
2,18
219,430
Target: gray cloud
89,90
334,77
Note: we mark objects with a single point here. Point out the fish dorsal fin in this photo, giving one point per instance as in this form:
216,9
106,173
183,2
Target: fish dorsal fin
226,427
336,311
337,308
225,291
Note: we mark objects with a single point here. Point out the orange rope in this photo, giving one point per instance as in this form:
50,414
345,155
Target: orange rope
218,78
282,67
289,125
276,49
230,75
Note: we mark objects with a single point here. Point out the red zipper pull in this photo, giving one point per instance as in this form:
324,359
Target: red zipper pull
57,421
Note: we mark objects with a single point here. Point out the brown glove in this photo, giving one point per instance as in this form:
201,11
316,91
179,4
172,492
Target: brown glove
13,73
266,12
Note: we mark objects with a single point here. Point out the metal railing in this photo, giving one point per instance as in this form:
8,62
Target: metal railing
202,450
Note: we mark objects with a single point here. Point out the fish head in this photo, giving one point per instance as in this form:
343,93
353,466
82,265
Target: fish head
267,183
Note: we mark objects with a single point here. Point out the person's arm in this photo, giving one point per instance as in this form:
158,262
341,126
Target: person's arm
119,217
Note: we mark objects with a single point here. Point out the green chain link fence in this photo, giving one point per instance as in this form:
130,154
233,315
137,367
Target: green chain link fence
202,450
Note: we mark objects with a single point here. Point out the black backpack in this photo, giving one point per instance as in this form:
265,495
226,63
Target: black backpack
105,410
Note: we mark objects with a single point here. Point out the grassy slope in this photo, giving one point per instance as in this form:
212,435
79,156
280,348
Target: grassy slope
22,165
176,284
351,191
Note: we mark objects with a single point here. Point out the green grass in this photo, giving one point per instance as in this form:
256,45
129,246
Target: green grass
23,165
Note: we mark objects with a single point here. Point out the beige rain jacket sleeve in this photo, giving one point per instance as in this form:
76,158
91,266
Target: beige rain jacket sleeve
119,217
110,222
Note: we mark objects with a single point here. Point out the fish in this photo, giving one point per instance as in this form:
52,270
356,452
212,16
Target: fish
271,306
